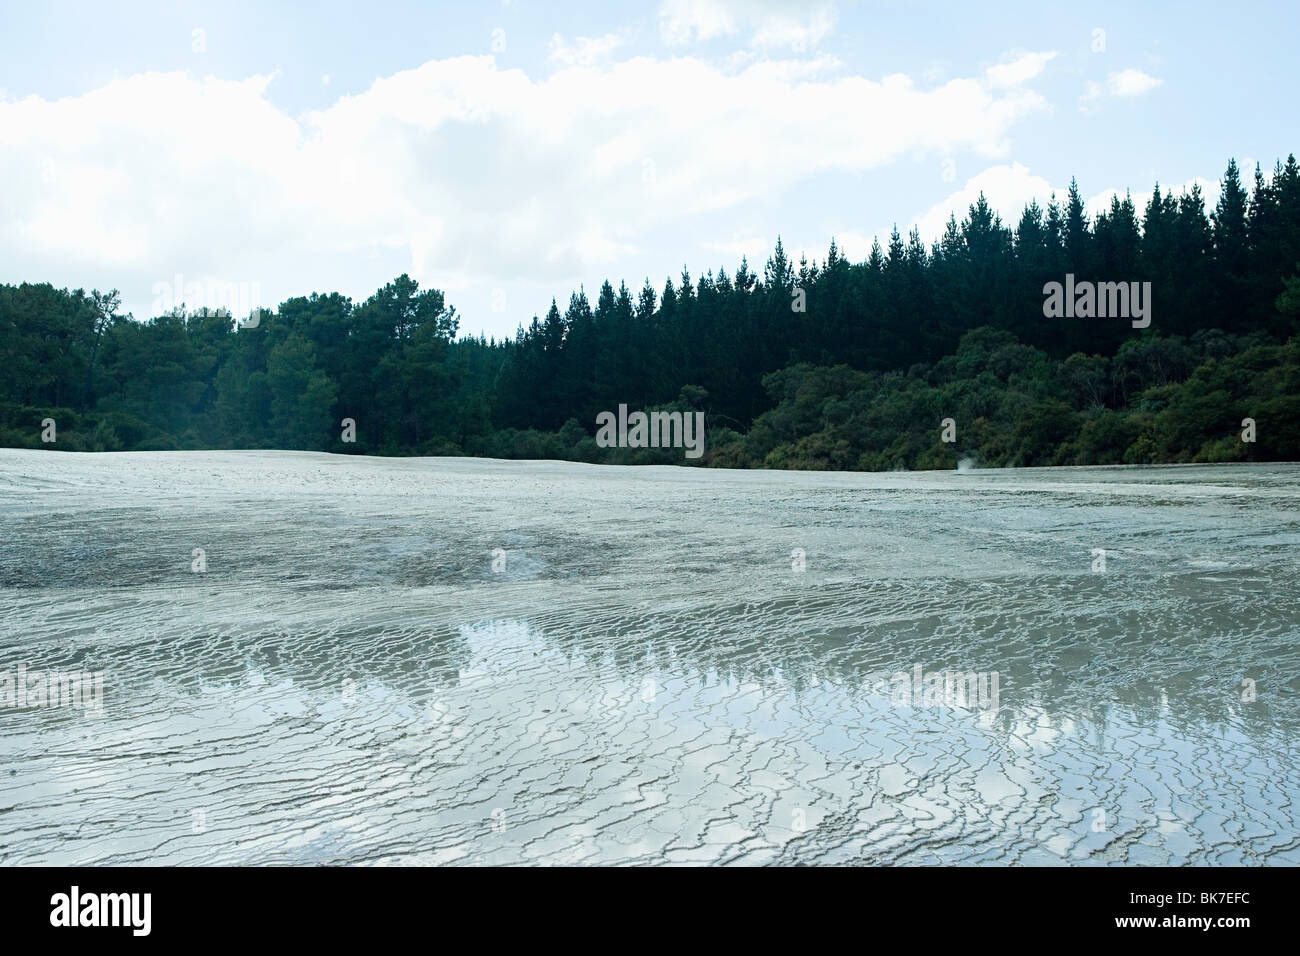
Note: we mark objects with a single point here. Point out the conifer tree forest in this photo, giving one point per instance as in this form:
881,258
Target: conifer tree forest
859,378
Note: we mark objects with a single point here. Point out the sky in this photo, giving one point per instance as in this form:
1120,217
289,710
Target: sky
512,152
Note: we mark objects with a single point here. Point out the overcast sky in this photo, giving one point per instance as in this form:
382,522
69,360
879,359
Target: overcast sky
510,152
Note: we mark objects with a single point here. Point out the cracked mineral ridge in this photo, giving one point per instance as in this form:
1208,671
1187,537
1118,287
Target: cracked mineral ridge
470,661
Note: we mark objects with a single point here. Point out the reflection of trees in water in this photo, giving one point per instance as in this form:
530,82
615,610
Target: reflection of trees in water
1064,653
319,659
1066,661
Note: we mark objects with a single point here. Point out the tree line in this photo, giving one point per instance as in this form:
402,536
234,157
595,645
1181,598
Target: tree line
831,364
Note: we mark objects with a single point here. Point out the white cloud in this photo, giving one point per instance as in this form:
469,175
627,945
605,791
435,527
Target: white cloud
1131,83
1101,201
584,51
754,248
854,246
1019,71
1008,189
770,23
466,174
1089,100
1124,83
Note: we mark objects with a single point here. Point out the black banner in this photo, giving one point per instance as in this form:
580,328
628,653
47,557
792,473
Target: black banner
948,907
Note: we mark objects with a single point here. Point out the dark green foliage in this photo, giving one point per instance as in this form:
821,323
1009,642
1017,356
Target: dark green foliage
859,378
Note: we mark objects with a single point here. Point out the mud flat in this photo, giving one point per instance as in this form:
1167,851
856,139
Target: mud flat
309,658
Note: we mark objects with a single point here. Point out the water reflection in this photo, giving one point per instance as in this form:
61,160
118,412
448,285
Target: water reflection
363,687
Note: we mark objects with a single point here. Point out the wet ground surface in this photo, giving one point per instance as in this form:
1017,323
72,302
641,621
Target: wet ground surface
457,660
